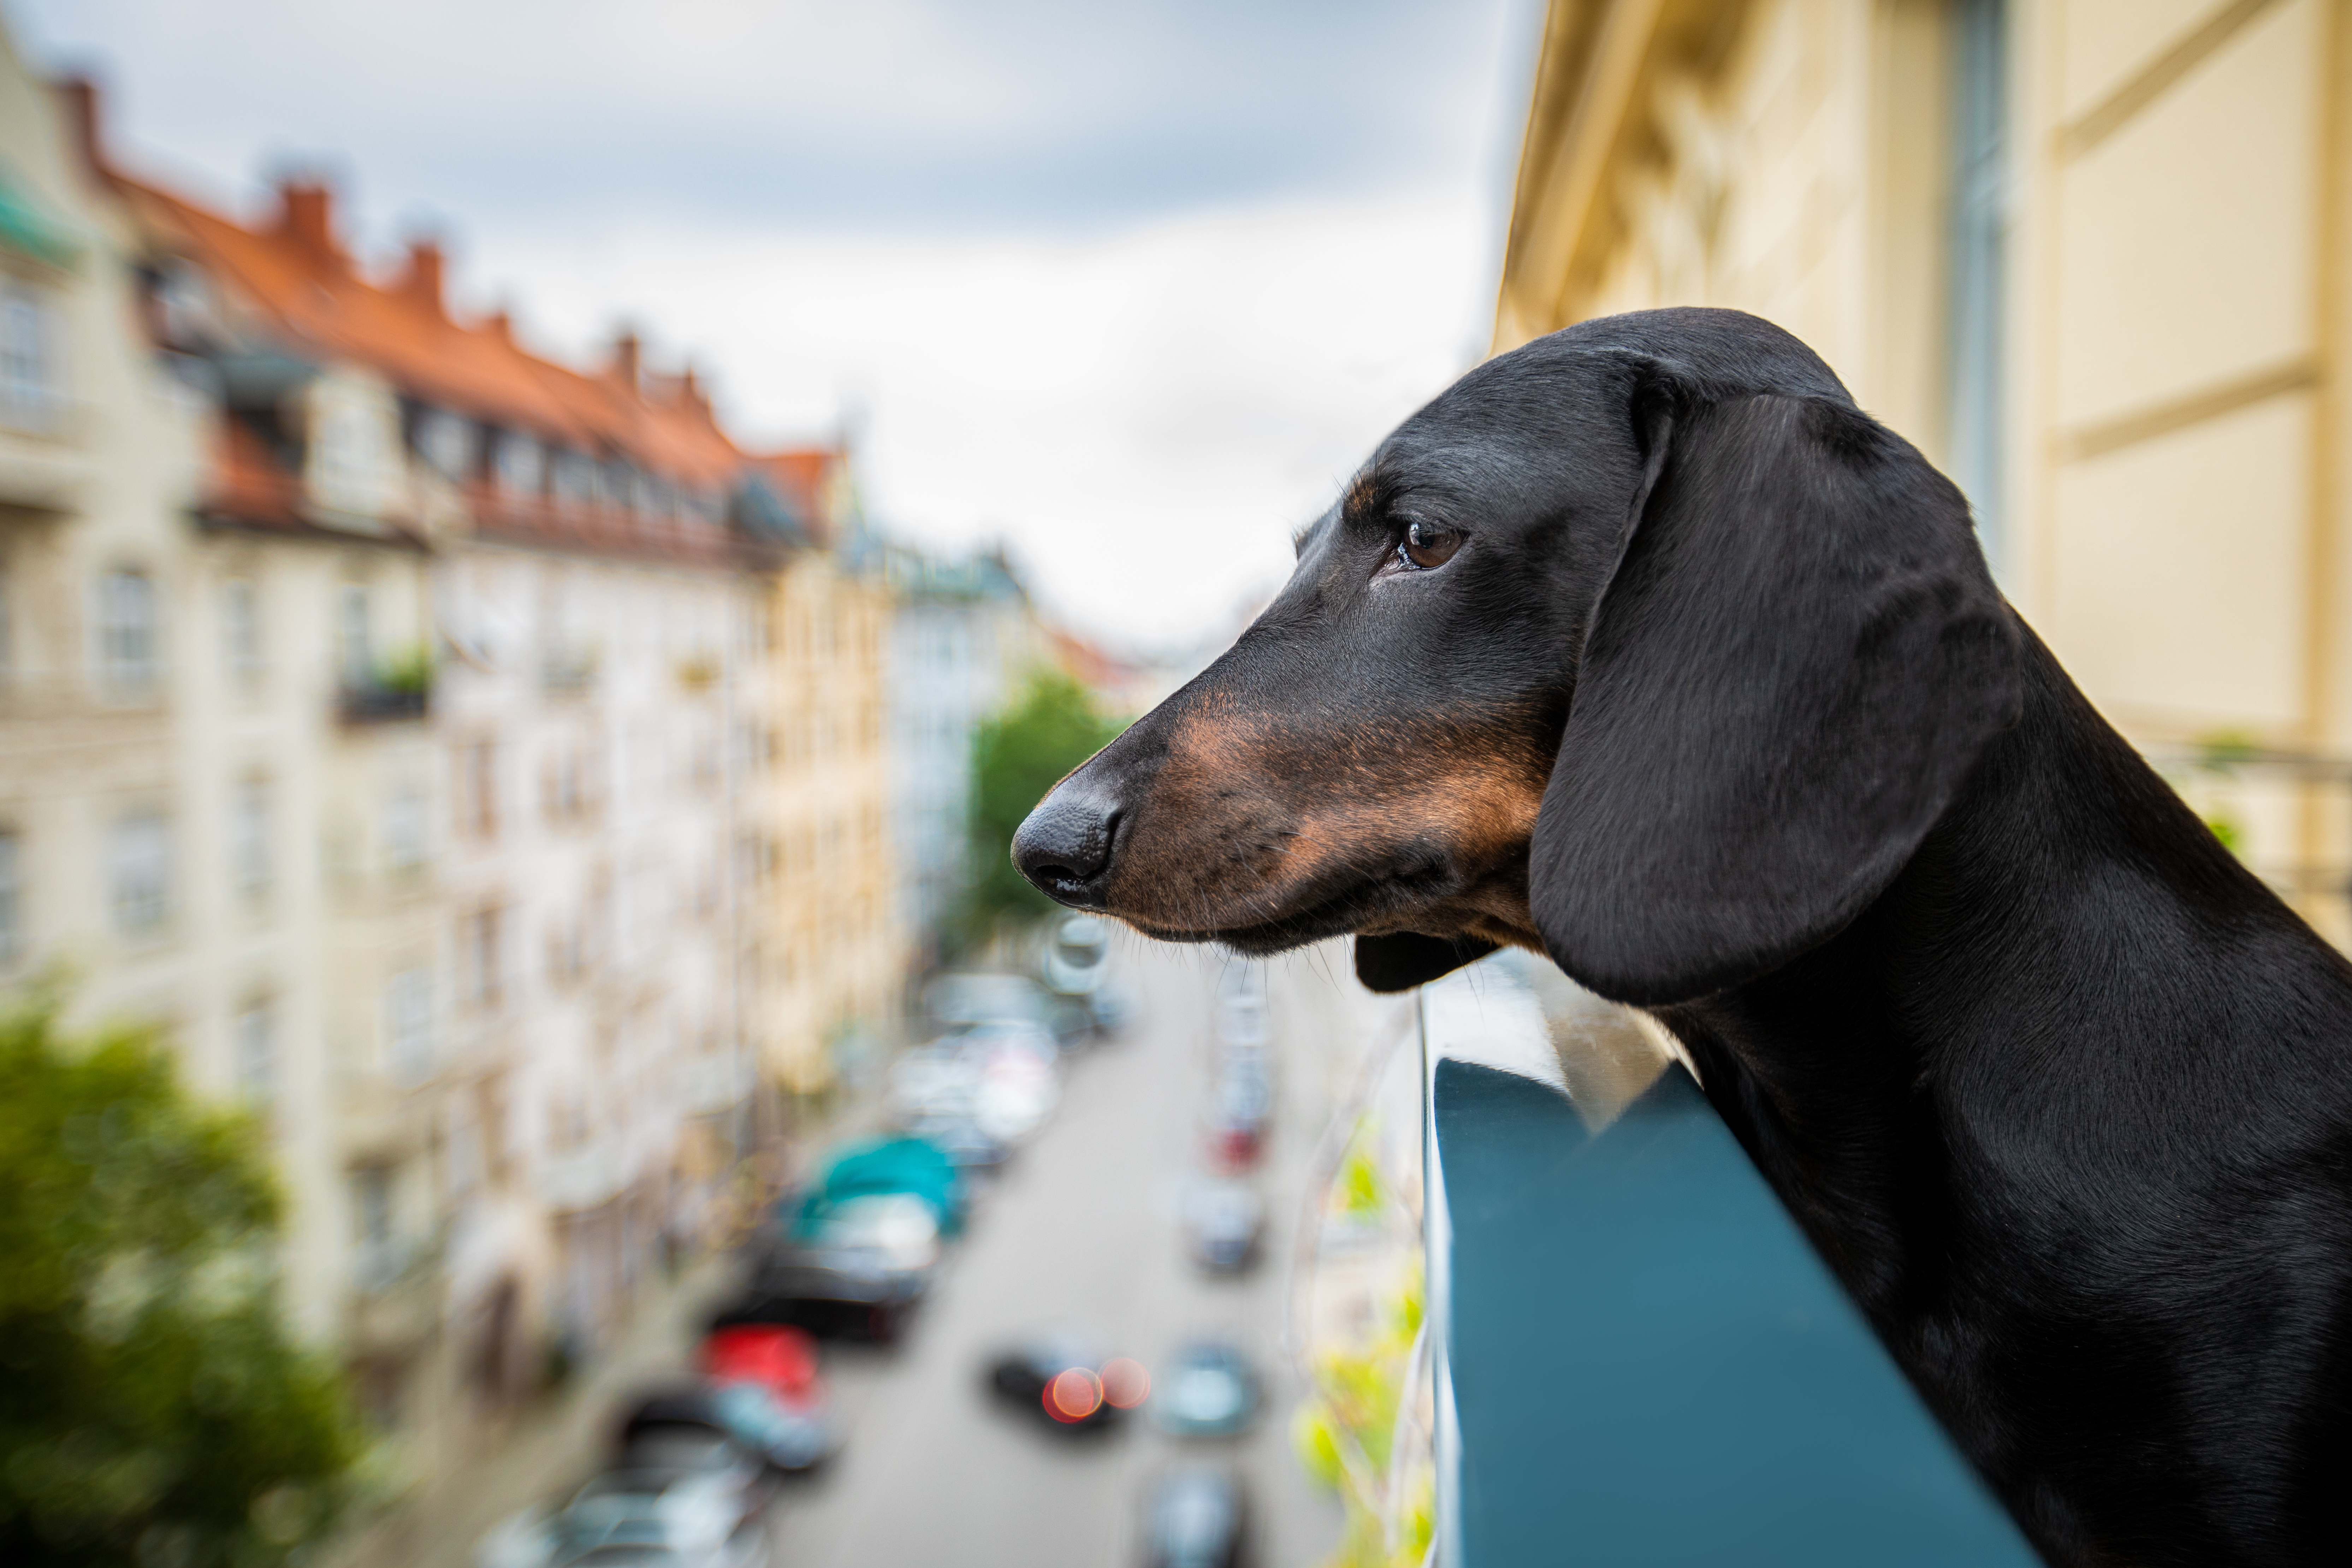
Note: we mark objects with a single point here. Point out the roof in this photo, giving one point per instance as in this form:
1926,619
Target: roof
293,287
810,481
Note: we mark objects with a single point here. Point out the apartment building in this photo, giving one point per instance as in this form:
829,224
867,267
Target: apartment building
492,643
962,635
214,799
2088,257
835,947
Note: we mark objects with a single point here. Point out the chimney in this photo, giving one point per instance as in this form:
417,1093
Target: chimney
696,393
77,97
424,282
628,353
501,324
308,216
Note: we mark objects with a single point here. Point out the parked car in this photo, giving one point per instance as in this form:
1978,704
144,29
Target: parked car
1195,1516
1240,1109
1068,1380
875,1167
777,1357
961,1000
832,1294
1223,1223
1073,964
704,1514
1207,1389
748,1414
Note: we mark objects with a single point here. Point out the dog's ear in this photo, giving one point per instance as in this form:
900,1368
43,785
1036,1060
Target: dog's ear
1797,656
1407,959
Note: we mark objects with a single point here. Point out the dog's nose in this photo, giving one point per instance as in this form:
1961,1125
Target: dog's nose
1064,847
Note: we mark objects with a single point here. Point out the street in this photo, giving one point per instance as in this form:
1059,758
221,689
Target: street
1082,1232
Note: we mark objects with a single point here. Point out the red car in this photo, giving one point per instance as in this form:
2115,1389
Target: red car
777,1357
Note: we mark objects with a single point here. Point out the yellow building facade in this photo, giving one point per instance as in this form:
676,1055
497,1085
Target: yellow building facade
834,949
2088,255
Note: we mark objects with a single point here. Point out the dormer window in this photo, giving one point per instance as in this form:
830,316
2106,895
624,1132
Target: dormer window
448,441
575,478
521,464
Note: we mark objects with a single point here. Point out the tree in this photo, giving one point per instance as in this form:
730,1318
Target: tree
153,1410
1051,726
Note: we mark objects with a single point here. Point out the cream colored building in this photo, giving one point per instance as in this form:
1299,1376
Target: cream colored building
834,945
2088,255
482,637
208,825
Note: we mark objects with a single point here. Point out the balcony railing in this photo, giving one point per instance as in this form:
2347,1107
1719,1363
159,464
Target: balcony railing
1638,1358
377,704
585,1177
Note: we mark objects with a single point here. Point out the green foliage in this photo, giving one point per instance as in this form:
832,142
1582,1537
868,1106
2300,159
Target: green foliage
2225,750
2227,829
408,670
1342,1435
1051,726
152,1409
1361,1195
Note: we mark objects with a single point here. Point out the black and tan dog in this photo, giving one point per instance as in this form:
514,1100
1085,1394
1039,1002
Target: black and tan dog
1643,648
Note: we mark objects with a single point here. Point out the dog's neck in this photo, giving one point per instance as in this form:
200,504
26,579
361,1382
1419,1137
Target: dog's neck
2011,952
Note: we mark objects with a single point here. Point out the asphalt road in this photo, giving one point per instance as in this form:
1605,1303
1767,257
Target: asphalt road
1081,1232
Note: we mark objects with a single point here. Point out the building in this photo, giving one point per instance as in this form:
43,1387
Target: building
962,636
213,795
834,954
476,693
2087,256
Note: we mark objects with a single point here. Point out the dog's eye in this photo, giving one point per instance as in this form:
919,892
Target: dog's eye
1426,545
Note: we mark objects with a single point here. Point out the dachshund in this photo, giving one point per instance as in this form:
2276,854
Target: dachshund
1643,649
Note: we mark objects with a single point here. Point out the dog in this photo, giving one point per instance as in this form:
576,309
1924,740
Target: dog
1643,648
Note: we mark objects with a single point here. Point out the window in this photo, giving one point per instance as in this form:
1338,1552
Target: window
253,1046
12,895
250,861
240,630
575,478
354,643
405,849
30,363
408,1023
375,1250
478,940
139,872
127,643
448,441
478,790
521,464
1979,222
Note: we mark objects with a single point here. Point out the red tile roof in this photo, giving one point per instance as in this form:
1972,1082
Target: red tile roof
294,281
807,480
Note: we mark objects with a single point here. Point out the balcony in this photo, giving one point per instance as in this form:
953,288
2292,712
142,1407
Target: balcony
1636,1350
395,1300
710,1084
567,674
585,1177
375,703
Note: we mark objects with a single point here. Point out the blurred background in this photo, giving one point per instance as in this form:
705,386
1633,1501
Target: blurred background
544,550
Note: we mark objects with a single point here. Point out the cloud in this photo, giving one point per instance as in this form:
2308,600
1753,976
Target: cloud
1145,414
911,114
1132,287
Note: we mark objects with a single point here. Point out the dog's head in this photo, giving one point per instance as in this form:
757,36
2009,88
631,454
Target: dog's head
1640,646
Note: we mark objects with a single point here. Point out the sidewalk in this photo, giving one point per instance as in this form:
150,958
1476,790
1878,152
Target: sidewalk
559,1443
554,1445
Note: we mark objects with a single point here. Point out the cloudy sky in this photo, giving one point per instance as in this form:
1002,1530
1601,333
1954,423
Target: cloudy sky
1131,287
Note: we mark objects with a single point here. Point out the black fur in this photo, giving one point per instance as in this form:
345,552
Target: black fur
2062,1093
